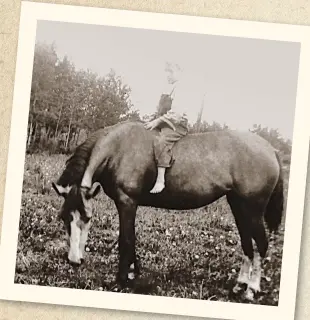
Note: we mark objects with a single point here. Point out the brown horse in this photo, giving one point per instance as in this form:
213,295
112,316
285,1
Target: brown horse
207,166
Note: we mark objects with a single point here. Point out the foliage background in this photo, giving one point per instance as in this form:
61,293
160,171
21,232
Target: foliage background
66,104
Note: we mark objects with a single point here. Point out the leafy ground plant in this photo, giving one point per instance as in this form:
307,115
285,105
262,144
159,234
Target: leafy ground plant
189,254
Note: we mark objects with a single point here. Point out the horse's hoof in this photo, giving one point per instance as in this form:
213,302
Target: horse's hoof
249,294
126,283
255,287
143,285
238,288
131,276
75,263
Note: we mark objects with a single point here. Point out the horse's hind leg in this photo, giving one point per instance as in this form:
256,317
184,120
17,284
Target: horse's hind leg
243,223
260,238
249,220
127,254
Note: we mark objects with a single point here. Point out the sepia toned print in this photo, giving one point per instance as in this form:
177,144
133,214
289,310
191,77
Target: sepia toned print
157,164
200,163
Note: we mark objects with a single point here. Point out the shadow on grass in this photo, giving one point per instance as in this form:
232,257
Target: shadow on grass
154,283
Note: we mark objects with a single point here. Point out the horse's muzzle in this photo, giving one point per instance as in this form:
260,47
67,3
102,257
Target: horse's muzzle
77,263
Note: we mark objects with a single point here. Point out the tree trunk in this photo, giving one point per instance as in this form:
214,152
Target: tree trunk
34,132
30,134
58,121
77,136
31,127
69,131
48,132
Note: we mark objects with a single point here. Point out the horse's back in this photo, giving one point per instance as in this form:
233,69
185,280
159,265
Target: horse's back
206,165
131,142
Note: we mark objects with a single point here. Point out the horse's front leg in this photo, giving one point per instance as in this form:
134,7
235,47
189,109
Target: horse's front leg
128,267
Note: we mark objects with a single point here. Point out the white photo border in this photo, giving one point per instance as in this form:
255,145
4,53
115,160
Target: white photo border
32,12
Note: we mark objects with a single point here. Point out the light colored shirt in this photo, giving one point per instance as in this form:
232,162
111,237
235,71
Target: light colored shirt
189,87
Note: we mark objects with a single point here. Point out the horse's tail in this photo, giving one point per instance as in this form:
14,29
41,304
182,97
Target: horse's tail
274,210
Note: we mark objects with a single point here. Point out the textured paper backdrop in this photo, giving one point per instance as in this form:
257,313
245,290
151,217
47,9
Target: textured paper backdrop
280,11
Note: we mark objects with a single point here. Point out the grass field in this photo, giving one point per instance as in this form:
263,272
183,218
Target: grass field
190,254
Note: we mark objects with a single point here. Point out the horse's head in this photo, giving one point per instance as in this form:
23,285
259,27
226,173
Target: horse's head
76,213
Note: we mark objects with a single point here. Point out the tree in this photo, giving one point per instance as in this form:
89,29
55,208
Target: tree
45,60
274,138
197,125
204,126
66,101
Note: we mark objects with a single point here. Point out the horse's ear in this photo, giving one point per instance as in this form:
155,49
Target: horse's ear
93,191
60,190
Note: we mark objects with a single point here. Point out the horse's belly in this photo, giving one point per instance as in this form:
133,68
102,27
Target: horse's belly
182,199
189,189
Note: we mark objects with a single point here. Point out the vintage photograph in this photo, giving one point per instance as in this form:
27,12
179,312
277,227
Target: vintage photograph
166,157
157,163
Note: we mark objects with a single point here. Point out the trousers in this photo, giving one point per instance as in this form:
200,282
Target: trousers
164,143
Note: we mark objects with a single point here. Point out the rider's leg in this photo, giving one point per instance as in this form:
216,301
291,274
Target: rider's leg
163,155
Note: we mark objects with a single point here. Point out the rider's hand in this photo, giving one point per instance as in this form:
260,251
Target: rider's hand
152,124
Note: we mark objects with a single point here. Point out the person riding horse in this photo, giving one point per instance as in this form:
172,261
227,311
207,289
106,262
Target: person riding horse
188,89
172,126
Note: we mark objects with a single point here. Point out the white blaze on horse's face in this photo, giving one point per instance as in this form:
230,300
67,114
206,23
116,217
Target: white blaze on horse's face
78,237
74,255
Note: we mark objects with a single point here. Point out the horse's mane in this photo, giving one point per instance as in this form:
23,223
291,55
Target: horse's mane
77,163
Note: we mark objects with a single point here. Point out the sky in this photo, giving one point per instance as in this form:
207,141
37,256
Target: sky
244,81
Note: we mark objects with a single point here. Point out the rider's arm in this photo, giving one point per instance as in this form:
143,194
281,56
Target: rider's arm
173,118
